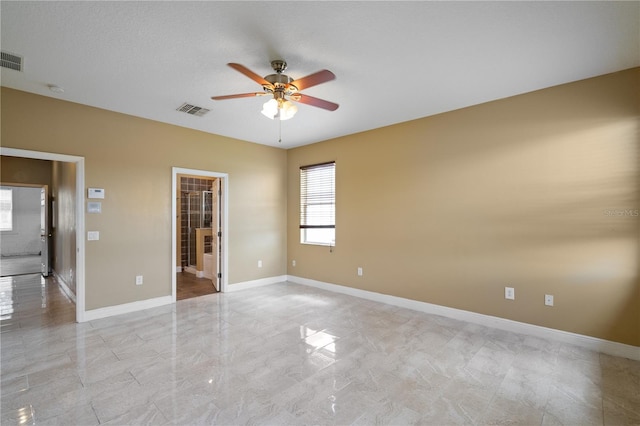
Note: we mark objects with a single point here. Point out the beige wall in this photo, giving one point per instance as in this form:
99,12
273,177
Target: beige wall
64,227
131,158
25,170
452,208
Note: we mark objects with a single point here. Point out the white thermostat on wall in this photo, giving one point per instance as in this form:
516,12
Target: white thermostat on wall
96,193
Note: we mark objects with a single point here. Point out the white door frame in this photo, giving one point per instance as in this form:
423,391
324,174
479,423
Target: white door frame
175,171
80,252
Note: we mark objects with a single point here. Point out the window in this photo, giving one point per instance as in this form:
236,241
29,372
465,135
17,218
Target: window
318,204
6,209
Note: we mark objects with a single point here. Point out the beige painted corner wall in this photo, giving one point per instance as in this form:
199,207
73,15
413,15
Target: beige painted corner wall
63,192
538,192
131,158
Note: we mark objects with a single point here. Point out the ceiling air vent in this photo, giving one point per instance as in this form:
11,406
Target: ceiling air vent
11,61
193,110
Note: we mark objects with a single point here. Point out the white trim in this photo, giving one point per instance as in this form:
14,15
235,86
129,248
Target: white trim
80,243
256,283
588,342
175,171
38,155
188,270
65,287
80,247
126,308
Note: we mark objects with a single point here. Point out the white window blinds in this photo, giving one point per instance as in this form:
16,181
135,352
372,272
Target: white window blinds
6,209
317,203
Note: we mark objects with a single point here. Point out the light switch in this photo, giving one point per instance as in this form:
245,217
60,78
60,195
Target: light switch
93,235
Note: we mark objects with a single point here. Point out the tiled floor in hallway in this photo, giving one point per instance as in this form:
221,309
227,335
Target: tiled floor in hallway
289,354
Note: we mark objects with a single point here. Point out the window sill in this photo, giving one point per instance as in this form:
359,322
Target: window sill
317,244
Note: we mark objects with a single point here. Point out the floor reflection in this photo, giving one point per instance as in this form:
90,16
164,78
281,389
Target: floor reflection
6,298
33,300
289,354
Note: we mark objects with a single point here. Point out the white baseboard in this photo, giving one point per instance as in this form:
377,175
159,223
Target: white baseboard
587,342
255,283
166,300
65,287
126,308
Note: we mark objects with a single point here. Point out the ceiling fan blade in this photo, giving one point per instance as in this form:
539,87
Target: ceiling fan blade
252,75
239,95
316,102
313,79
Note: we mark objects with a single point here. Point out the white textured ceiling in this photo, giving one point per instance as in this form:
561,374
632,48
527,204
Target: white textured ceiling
394,61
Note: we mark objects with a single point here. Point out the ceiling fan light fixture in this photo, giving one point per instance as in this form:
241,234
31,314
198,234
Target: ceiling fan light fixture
283,110
287,110
270,108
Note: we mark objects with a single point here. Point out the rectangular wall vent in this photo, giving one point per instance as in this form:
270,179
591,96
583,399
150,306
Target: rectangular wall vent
11,61
192,109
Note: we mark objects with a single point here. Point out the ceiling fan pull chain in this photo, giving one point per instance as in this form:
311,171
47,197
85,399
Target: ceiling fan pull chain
279,130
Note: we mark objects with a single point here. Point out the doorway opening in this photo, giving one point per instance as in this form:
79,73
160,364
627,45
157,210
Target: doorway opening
69,244
24,247
198,232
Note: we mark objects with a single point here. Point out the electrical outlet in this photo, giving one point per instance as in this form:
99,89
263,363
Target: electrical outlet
259,263
359,271
548,299
509,293
293,263
138,279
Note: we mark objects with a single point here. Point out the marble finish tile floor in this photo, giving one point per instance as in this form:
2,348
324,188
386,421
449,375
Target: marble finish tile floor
287,354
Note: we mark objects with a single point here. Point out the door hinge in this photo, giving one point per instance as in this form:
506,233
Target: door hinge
219,234
219,275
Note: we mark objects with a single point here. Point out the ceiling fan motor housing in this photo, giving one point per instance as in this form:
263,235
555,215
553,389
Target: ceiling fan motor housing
280,83
279,65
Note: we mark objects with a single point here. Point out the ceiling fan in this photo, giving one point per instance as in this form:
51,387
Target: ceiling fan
284,89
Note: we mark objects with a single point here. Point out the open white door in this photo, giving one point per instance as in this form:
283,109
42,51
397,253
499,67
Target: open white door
216,233
44,231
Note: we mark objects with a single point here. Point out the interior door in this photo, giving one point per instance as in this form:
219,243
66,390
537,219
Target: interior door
44,231
216,233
